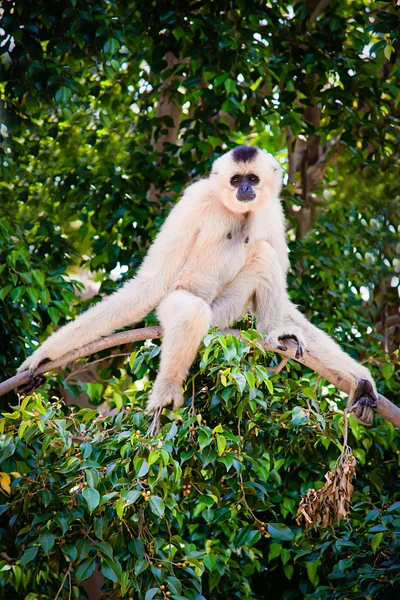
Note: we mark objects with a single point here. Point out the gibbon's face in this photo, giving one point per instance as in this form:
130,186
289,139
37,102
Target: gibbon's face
247,178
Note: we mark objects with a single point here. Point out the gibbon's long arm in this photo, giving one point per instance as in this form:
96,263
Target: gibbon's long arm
139,295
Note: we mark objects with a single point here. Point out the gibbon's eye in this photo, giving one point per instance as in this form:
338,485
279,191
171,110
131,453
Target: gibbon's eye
235,180
253,178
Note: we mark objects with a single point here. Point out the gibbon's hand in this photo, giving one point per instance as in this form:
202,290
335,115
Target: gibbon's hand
35,382
275,337
365,399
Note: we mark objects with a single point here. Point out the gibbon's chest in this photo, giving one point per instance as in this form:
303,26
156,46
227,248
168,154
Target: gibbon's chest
218,254
224,245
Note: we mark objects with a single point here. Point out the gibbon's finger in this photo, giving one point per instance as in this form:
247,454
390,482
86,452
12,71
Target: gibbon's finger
365,390
281,347
364,414
362,410
300,350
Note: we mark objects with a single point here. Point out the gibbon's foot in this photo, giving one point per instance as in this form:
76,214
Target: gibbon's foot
155,426
33,383
365,399
300,344
164,394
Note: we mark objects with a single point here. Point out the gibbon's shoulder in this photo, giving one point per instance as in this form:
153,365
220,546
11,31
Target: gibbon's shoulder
199,187
197,195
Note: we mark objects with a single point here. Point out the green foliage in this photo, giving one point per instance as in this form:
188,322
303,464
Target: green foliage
208,507
33,293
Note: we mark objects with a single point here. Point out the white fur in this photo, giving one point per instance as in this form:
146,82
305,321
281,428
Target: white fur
201,271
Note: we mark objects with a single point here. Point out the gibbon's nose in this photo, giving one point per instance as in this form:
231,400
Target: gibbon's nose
245,193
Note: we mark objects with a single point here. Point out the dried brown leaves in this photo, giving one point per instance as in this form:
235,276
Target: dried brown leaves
333,499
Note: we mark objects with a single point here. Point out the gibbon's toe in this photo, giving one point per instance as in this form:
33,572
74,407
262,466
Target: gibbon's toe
365,389
365,399
164,394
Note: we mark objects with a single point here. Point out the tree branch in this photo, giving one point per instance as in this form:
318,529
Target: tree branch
321,6
385,408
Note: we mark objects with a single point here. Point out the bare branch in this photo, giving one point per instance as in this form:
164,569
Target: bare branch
385,408
321,6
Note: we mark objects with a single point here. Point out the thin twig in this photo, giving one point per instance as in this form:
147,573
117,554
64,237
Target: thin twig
93,362
345,430
281,365
62,584
321,6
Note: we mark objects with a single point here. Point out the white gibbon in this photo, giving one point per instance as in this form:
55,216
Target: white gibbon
221,250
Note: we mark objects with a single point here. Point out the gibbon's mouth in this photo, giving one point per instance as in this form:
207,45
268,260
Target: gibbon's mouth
248,197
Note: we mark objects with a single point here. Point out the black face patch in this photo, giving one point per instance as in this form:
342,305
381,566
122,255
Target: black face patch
244,153
244,185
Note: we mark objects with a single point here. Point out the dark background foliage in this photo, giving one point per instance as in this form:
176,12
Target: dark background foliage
107,110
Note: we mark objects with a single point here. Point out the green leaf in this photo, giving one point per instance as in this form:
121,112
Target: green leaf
71,551
376,540
395,506
120,507
54,314
280,532
39,277
388,370
4,291
251,380
312,568
111,47
92,477
359,453
142,468
29,555
85,569
153,457
157,506
174,585
7,451
288,570
140,566
105,549
63,94
47,542
151,593
92,498
377,47
178,33
274,550
111,569
308,392
230,85
221,444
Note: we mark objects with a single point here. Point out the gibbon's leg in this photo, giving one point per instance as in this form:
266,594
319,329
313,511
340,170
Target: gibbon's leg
363,395
128,305
185,319
276,315
262,281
